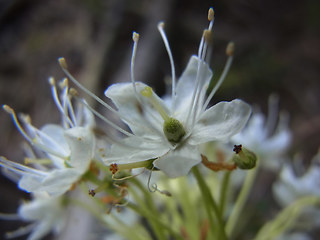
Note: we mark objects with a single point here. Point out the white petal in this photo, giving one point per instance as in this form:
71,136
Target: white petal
187,82
133,149
81,142
59,181
178,162
220,122
142,118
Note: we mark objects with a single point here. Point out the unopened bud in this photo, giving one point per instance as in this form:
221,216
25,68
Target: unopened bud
244,158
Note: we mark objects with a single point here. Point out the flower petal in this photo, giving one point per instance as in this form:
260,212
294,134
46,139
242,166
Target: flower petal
178,162
140,116
81,142
187,83
220,122
133,149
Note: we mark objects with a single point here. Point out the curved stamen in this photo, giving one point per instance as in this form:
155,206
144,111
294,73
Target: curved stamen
58,103
19,168
166,43
16,122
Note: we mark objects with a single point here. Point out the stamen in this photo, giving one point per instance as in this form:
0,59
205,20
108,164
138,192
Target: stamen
148,93
229,52
37,160
63,65
16,122
99,100
57,101
105,119
19,168
166,43
135,38
210,14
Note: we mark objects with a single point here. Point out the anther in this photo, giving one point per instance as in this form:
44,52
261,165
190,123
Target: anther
64,83
135,36
8,109
73,92
237,148
230,49
91,192
210,14
114,168
51,81
63,63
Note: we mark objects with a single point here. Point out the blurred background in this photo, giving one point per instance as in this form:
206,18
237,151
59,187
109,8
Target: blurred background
277,51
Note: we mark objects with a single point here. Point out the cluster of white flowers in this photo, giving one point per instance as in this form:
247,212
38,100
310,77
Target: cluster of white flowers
165,134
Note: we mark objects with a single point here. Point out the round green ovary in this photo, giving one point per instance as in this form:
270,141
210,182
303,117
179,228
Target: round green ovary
173,130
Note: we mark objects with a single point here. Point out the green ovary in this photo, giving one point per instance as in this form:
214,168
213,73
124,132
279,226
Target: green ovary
173,130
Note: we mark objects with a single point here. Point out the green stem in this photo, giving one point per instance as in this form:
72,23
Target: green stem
223,192
284,221
241,200
210,204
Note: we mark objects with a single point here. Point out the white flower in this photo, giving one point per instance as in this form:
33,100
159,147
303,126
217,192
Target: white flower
171,133
46,214
260,136
66,150
290,187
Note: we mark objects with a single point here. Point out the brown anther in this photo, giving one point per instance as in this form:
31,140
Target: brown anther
92,193
114,168
237,148
204,230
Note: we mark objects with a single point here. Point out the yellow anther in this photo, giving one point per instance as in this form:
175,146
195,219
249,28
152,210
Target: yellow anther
210,14
62,62
161,25
8,109
73,92
135,36
230,49
64,83
146,92
52,81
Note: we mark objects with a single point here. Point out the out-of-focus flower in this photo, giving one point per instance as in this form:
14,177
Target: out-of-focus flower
267,140
290,187
47,214
61,155
170,133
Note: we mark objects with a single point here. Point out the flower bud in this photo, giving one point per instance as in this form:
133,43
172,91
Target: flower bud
244,158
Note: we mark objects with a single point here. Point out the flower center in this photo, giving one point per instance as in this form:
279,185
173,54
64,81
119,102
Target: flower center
172,128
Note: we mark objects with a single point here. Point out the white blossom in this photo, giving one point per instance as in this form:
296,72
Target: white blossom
170,132
61,154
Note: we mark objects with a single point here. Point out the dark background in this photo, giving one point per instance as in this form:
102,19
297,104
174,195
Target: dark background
277,51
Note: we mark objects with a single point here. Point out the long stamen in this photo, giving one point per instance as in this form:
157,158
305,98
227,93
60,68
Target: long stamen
105,119
16,122
19,168
57,101
64,67
26,120
229,53
135,38
205,39
166,43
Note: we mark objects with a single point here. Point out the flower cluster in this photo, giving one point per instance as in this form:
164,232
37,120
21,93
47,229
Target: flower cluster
169,136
